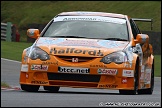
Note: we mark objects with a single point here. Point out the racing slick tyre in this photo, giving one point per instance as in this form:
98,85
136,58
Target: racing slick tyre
149,90
132,92
53,89
30,88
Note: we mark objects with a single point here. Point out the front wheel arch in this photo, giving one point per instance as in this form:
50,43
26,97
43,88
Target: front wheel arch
136,81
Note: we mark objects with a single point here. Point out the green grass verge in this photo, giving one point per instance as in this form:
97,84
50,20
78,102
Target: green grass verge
158,65
13,51
23,13
4,84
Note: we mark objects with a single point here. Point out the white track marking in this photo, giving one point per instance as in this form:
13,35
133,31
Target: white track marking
10,60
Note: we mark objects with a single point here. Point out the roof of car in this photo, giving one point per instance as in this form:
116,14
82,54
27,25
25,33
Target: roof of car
89,13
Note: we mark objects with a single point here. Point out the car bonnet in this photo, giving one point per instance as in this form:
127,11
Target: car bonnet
79,46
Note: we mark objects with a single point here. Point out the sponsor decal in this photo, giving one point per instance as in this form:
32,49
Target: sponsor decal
76,51
24,67
50,63
124,80
86,43
100,66
75,60
142,76
128,73
50,41
107,86
73,70
147,77
39,67
111,44
108,71
39,82
90,18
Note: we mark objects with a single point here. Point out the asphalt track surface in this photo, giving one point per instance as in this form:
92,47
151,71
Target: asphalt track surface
69,97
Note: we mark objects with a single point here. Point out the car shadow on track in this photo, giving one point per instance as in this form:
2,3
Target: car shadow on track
78,92
75,92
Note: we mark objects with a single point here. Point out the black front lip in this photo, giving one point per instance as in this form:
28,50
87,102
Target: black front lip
73,77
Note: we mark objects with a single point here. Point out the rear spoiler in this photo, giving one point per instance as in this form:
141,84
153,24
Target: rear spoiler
144,20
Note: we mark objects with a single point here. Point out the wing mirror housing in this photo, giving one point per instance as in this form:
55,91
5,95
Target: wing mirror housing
33,33
142,38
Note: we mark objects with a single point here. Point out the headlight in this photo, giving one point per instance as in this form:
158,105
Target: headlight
117,57
38,53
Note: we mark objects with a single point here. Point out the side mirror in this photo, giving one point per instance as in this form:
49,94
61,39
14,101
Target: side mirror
33,33
142,38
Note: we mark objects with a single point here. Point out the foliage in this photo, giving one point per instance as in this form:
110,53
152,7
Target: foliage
23,13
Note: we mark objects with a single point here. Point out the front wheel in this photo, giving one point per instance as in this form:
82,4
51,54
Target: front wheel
30,88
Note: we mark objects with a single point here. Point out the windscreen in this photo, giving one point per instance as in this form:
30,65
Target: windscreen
88,27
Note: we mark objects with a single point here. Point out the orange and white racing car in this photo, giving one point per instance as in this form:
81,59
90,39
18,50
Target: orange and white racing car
89,50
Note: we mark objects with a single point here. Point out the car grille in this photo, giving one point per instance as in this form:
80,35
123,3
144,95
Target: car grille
73,77
80,59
